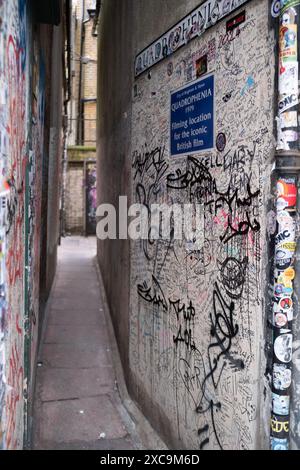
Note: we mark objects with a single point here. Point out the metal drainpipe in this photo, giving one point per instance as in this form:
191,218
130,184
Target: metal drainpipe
79,104
287,170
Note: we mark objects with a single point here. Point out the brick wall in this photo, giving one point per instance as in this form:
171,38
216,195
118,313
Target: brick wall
75,198
88,79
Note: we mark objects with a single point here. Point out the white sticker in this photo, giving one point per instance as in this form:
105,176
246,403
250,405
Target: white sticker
282,377
288,102
287,235
275,8
284,306
290,136
285,221
288,119
288,80
280,319
283,347
280,404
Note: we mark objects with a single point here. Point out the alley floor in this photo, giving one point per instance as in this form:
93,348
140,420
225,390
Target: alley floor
77,405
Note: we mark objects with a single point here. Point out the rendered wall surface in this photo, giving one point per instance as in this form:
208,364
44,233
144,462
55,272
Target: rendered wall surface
197,317
55,154
113,151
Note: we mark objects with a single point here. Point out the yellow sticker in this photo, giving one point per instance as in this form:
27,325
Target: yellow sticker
289,274
290,246
288,43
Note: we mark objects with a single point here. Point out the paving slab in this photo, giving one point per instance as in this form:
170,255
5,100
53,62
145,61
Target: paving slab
70,334
100,444
74,355
75,303
76,317
62,384
77,405
81,420
62,283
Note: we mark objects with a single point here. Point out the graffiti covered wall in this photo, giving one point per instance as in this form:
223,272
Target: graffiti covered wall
22,104
197,315
14,95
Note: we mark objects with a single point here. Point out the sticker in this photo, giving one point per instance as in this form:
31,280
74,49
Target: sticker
286,250
236,21
280,290
285,221
201,66
282,377
280,426
283,263
170,69
221,142
287,190
280,319
288,43
288,102
279,444
282,143
285,279
280,404
288,79
284,255
275,8
286,4
288,17
283,347
290,246
287,235
289,274
286,303
284,306
289,119
290,136
281,204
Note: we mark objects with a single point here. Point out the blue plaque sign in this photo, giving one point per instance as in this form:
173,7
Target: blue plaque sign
192,117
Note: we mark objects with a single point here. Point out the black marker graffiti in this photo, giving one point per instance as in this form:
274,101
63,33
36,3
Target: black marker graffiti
155,298
204,190
243,228
152,159
233,275
151,163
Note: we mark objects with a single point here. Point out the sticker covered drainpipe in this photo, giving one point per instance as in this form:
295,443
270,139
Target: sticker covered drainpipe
287,170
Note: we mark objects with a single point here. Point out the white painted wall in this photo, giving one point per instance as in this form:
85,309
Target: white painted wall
215,382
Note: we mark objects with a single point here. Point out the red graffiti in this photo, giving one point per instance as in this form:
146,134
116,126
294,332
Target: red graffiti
15,388
16,110
16,129
16,132
14,260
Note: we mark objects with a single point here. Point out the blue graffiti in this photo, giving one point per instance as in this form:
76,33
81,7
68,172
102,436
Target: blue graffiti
22,46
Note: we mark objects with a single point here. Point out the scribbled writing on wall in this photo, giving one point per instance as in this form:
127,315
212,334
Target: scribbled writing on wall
196,314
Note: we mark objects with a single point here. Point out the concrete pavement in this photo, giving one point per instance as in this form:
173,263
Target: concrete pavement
77,405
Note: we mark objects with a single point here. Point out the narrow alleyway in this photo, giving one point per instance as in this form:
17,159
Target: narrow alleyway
77,405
